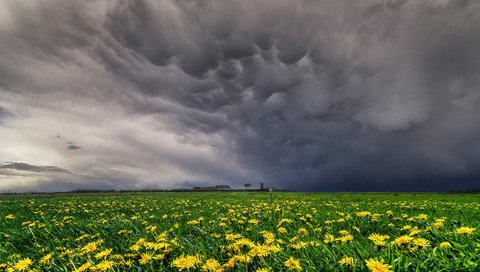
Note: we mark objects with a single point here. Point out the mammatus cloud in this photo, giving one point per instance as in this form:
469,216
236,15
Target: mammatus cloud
310,95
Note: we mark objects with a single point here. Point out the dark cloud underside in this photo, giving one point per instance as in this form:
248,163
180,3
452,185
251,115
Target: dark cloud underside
312,95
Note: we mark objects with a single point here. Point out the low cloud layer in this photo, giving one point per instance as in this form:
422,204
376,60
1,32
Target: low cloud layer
372,95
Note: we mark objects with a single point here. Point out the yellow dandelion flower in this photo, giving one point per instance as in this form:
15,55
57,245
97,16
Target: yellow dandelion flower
421,242
345,239
104,265
83,267
377,266
145,258
328,239
103,253
185,262
465,230
90,247
378,239
23,264
262,270
346,261
302,231
445,245
45,258
363,214
282,230
159,257
403,240
292,264
414,232
211,265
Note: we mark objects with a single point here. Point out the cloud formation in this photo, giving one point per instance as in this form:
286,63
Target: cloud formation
309,95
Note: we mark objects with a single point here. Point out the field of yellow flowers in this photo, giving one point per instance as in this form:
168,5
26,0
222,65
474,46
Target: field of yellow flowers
251,231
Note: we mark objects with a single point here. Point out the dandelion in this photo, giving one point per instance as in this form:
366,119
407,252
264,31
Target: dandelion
328,239
414,232
211,265
363,214
45,258
377,266
103,253
378,239
84,267
403,240
90,247
345,239
465,230
292,264
145,258
282,230
421,242
263,270
445,245
302,231
185,262
23,264
346,261
104,265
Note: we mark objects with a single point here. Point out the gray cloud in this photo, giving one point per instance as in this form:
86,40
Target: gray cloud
32,168
73,147
322,95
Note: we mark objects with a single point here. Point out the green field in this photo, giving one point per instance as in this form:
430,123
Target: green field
227,231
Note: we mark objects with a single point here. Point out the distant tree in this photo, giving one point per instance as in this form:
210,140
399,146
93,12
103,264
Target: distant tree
247,185
262,186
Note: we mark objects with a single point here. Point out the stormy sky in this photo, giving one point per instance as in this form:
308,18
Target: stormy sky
328,95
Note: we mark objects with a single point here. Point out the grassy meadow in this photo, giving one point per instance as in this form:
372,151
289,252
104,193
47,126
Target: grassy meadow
240,231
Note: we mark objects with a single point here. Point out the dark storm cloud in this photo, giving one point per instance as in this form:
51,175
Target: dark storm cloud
310,95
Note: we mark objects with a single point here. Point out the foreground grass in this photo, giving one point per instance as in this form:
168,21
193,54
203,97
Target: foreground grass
240,232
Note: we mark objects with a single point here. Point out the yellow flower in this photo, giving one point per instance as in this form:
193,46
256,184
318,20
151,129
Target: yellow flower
103,253
302,231
258,250
282,230
90,247
406,227
346,261
145,258
104,265
263,270
45,258
23,264
363,214
465,230
84,267
414,232
345,239
10,216
378,239
292,264
377,266
422,217
328,239
211,265
445,245
403,240
421,242
185,262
